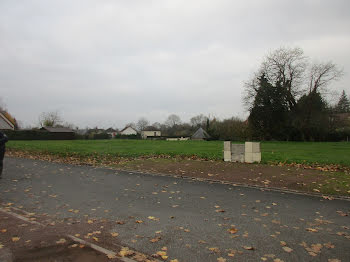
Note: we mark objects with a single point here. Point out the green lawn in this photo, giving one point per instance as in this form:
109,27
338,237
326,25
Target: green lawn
299,152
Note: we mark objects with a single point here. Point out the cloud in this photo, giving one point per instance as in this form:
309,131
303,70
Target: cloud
107,63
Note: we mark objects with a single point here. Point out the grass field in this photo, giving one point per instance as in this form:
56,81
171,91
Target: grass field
290,152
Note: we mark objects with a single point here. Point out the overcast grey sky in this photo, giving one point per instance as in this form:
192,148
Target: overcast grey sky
108,62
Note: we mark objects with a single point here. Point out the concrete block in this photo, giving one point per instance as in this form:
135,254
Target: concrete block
227,146
238,151
257,157
227,156
252,147
252,157
238,158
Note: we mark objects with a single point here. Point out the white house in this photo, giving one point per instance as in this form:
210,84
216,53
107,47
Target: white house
154,133
127,131
6,122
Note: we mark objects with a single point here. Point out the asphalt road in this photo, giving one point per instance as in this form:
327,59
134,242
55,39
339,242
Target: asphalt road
194,220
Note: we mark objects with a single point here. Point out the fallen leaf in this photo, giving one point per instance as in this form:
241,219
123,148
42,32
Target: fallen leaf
311,229
140,257
287,249
316,247
248,248
153,218
15,239
221,259
126,252
342,213
214,249
139,221
111,255
162,254
283,243
61,241
156,239
114,234
329,245
232,230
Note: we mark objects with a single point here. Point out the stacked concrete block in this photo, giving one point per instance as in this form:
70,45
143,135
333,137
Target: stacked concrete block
252,152
227,151
238,152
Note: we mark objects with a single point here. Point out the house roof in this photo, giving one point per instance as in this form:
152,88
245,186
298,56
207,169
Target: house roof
58,129
151,130
8,118
127,128
110,130
200,134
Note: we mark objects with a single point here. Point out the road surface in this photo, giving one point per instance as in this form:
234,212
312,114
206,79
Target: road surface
194,220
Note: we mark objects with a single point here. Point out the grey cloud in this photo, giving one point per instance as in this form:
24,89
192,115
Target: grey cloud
110,62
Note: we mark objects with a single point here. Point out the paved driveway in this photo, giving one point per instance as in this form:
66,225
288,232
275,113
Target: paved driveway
195,221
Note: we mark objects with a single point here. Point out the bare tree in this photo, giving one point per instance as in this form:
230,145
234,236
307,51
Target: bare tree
284,65
142,123
131,124
199,120
321,74
157,125
2,105
173,120
50,119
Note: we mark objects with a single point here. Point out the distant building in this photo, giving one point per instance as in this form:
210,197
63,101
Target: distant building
151,133
200,134
177,139
127,131
6,121
57,129
60,132
111,132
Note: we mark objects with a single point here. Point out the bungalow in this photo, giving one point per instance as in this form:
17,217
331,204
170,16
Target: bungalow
59,132
200,134
151,134
111,132
127,131
6,121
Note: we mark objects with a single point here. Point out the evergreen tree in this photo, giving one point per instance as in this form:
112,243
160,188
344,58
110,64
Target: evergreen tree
311,117
343,105
269,114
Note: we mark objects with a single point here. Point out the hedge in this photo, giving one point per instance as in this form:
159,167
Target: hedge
37,135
